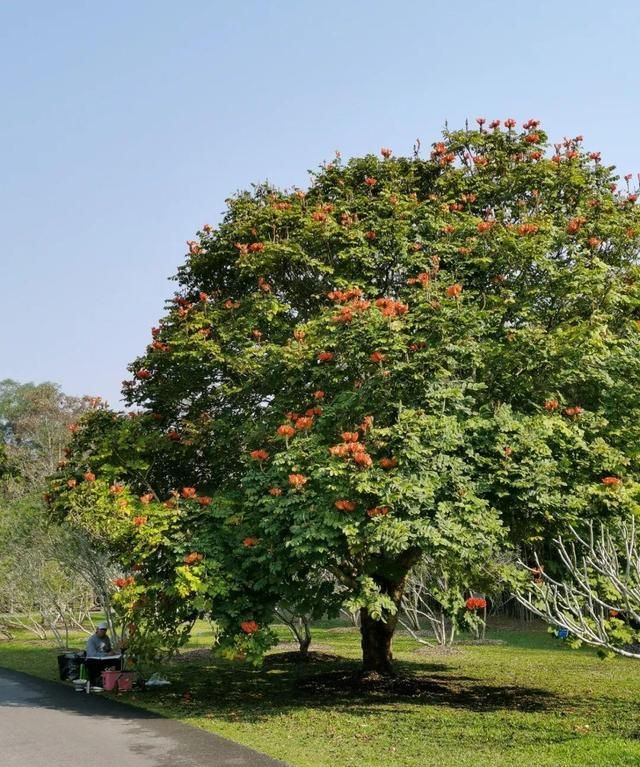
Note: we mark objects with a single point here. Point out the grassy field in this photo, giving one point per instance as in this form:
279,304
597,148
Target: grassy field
522,697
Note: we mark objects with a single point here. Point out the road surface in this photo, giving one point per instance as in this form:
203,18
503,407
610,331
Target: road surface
44,724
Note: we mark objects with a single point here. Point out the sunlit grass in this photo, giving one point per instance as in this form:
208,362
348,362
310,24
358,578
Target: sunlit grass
529,699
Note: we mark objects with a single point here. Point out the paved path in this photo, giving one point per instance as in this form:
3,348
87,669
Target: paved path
44,724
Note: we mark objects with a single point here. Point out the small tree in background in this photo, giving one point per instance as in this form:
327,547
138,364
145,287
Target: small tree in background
597,598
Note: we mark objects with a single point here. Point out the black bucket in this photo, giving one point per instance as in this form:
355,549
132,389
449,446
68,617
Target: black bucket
69,665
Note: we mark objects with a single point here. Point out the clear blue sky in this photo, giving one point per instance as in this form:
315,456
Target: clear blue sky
125,125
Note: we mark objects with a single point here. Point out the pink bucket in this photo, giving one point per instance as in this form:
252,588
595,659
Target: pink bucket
110,679
125,680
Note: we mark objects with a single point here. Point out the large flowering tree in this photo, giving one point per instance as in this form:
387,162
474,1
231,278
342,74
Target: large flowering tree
414,351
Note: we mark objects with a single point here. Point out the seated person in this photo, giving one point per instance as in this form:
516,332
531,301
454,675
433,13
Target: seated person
100,655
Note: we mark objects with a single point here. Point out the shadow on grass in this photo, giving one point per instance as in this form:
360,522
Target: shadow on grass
225,691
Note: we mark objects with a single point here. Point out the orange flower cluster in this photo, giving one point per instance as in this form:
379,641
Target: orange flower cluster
116,489
378,511
475,603
611,481
325,356
89,476
194,556
575,224
264,285
485,226
390,308
370,181
304,423
157,346
350,436
318,395
143,373
72,482
453,291
204,500
298,480
572,412
286,430
386,152
344,505
424,278
250,542
259,455
249,627
231,304
173,435
525,229
388,463
139,521
275,491
122,583
551,405
340,296
377,357
188,492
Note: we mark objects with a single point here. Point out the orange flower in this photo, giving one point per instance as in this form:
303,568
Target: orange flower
256,247
532,138
204,500
299,335
259,455
275,491
370,235
388,463
250,542
257,334
204,297
527,229
298,480
475,603
304,423
510,123
325,356
188,492
146,498
173,435
370,182
143,373
249,627
231,304
575,224
318,395
453,291
350,436
485,226
264,285
72,482
377,357
363,459
286,431
139,521
89,476
378,511
367,423
313,411
572,412
551,404
594,242
116,489
386,152
344,505
611,481
193,557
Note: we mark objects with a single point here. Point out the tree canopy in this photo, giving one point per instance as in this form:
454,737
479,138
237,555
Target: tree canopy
410,352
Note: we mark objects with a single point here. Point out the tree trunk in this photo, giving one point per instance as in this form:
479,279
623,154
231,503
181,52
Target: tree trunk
376,642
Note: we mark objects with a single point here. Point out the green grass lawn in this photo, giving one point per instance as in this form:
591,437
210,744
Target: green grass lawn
530,700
